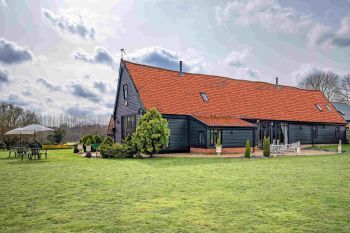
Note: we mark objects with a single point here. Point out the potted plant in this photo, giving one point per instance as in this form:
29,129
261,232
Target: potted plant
88,148
80,146
339,147
218,146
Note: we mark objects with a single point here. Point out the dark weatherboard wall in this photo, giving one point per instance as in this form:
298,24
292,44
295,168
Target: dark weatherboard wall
124,108
178,126
234,137
325,133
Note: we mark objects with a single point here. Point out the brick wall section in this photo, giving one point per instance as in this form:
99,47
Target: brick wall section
235,150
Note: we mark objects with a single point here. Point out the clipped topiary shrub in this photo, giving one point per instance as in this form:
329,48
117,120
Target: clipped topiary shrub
108,141
131,146
90,137
98,138
266,147
115,151
152,133
247,149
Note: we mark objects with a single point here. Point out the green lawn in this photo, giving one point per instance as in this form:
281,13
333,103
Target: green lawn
345,147
70,193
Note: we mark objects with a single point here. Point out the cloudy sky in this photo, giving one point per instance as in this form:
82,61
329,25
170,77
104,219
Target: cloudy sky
63,56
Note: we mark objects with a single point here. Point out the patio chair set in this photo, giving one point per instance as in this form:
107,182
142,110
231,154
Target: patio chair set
34,151
21,152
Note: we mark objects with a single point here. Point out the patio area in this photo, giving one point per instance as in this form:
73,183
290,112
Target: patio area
257,154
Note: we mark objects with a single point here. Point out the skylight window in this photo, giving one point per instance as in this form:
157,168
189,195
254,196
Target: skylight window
341,112
204,96
328,108
318,107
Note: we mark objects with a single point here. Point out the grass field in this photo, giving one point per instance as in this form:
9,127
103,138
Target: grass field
69,193
345,147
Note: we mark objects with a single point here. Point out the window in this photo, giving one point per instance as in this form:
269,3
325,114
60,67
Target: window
201,138
204,97
215,134
318,107
341,112
125,92
328,108
128,125
337,132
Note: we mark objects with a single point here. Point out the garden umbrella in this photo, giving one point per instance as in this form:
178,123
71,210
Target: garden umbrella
36,128
18,131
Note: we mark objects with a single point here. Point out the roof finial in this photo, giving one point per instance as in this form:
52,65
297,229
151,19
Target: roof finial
122,51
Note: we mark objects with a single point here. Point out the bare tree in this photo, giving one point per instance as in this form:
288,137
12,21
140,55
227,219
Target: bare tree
326,82
13,117
344,96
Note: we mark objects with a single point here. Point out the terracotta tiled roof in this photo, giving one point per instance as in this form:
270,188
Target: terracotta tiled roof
223,121
171,94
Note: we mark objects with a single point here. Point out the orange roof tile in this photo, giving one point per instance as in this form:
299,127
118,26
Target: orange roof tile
171,94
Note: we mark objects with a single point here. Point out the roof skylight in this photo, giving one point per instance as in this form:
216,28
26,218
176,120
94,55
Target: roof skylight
341,112
328,108
318,107
204,96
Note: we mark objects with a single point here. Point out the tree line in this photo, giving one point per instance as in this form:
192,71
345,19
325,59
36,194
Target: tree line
336,88
67,127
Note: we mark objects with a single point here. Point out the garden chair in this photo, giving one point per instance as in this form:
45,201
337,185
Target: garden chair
21,152
12,150
34,153
37,153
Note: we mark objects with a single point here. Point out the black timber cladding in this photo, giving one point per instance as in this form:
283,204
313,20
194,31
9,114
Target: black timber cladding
125,107
325,133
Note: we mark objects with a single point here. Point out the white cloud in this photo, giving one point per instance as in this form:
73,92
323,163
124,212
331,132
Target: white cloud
237,58
328,37
3,3
83,23
11,53
161,57
71,22
100,56
270,15
246,73
267,13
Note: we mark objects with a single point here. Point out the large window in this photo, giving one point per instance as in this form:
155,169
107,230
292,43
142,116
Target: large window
215,134
128,125
201,138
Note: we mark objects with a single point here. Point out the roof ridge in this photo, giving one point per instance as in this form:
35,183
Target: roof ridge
216,116
222,77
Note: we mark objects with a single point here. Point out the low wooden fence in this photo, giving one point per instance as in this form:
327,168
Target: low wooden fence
282,149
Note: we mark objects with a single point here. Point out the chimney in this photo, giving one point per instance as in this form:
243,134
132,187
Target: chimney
180,72
277,82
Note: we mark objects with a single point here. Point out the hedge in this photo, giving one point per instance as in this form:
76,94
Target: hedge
57,147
